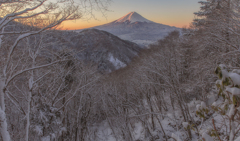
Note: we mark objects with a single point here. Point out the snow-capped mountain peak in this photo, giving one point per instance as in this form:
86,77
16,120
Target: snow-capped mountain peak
135,28
132,17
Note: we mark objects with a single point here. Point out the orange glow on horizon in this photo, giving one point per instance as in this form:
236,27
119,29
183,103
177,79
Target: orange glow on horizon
76,25
173,13
79,25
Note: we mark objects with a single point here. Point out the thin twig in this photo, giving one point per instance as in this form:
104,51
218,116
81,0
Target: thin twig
216,130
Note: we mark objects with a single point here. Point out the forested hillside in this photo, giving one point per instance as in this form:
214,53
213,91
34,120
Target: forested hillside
186,87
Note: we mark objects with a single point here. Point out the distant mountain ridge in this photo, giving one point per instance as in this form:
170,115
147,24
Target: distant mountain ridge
135,28
109,52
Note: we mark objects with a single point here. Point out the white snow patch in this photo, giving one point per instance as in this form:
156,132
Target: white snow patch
117,63
207,137
233,91
176,137
235,78
224,74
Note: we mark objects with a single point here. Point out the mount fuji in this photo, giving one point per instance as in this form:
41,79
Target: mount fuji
135,28
132,17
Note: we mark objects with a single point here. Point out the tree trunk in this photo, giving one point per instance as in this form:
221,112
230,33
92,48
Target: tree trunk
29,104
3,120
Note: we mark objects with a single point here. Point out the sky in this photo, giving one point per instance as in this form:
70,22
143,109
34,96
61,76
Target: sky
177,13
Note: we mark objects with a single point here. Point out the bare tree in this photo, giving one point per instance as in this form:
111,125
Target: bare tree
21,20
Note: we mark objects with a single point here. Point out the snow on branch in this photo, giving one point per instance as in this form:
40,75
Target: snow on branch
4,21
75,92
30,34
29,69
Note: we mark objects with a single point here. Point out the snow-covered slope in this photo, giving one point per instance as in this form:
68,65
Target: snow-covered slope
135,28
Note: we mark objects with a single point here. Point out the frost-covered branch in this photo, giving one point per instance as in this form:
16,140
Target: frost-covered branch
34,68
13,16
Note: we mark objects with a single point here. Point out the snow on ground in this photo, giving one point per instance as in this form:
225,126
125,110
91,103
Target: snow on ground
138,131
104,133
172,123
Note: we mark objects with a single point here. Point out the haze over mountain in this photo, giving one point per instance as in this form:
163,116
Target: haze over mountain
135,28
